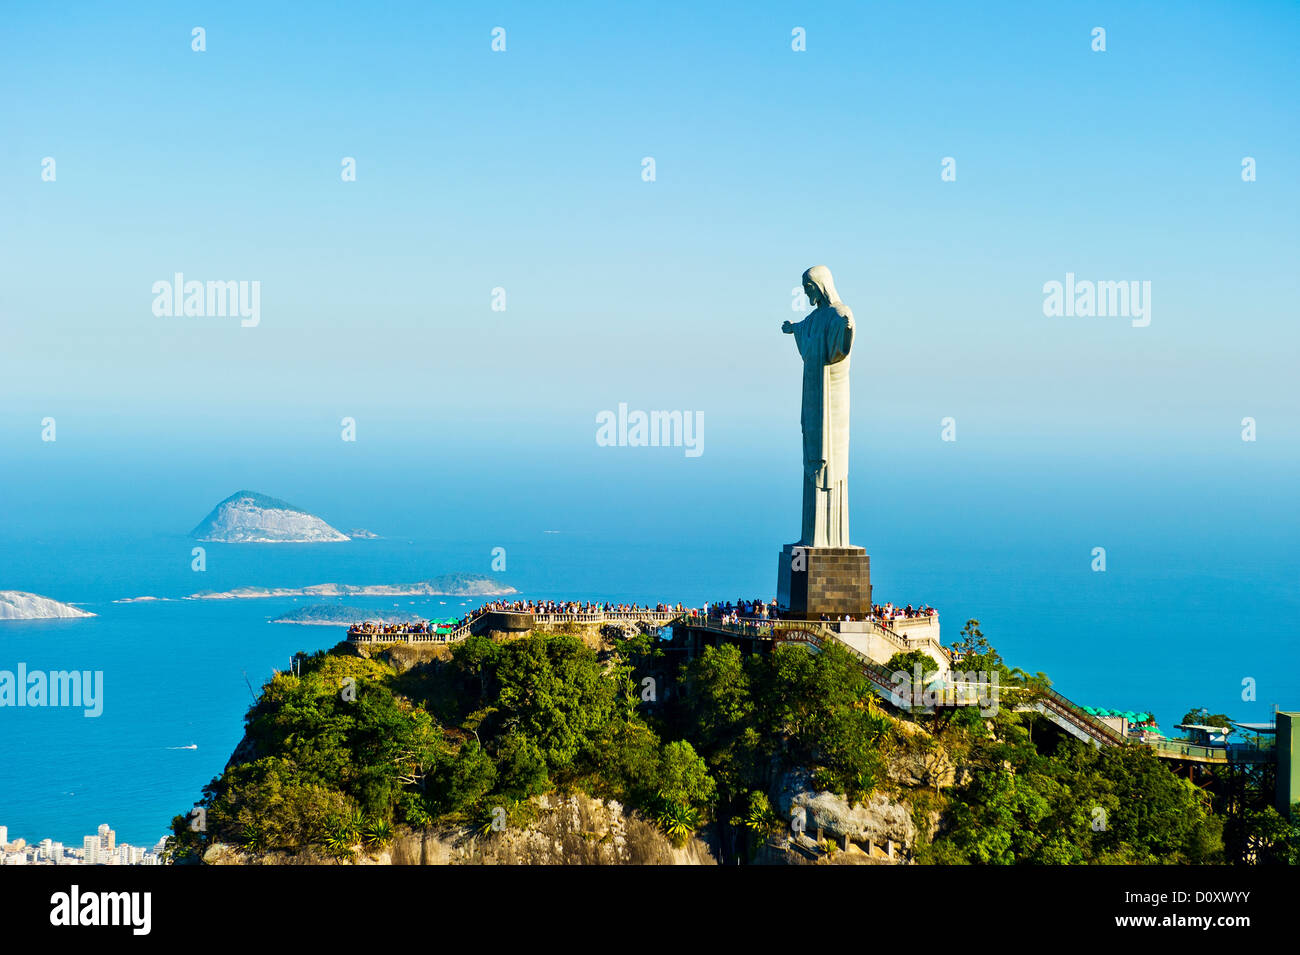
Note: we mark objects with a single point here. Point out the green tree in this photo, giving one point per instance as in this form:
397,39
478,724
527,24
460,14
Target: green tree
553,690
1200,716
683,776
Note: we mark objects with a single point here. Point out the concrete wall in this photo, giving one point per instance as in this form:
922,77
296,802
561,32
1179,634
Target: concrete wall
866,638
1118,723
874,645
917,628
505,622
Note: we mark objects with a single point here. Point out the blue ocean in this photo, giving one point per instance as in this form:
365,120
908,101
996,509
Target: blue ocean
1198,600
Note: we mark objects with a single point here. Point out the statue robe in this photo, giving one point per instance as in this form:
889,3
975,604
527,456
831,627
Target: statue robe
825,338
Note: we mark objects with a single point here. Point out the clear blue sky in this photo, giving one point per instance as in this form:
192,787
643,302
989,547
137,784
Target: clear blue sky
523,170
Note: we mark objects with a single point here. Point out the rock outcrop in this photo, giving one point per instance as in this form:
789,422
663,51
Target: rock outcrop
568,830
247,517
881,828
20,605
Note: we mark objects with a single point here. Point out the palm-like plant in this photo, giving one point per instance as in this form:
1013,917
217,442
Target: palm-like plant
354,824
379,833
495,818
338,844
760,817
253,838
341,834
678,822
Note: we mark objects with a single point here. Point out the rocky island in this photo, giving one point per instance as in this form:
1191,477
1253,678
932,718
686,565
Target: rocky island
20,605
337,615
446,585
247,517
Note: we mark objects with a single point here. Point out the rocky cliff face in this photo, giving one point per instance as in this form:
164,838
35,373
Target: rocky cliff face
569,830
247,517
881,828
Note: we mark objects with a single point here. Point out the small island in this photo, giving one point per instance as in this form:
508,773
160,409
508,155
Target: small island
446,585
247,517
20,605
338,615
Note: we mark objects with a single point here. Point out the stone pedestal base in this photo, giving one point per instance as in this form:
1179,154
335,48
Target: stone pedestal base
507,622
835,581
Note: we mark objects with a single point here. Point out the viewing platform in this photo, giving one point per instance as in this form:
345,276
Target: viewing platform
1236,753
510,621
880,640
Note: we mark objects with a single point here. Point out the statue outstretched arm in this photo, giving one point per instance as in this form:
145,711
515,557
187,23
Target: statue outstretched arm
787,327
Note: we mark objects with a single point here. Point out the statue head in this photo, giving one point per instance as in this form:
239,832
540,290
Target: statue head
820,287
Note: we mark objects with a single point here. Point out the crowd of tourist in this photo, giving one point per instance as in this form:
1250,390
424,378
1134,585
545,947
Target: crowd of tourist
728,612
734,612
890,612
372,629
740,610
575,606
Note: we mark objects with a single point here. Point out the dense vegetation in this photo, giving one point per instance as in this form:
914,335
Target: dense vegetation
347,750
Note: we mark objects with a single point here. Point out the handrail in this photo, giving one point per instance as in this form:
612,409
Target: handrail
464,629
901,642
884,679
1094,727
1102,732
817,630
893,636
1180,748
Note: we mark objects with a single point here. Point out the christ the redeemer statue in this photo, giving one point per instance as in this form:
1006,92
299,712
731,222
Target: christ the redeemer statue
825,339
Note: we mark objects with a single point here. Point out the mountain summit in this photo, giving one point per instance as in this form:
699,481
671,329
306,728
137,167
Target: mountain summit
247,517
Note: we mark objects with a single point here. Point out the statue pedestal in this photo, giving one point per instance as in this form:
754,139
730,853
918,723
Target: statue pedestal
835,581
